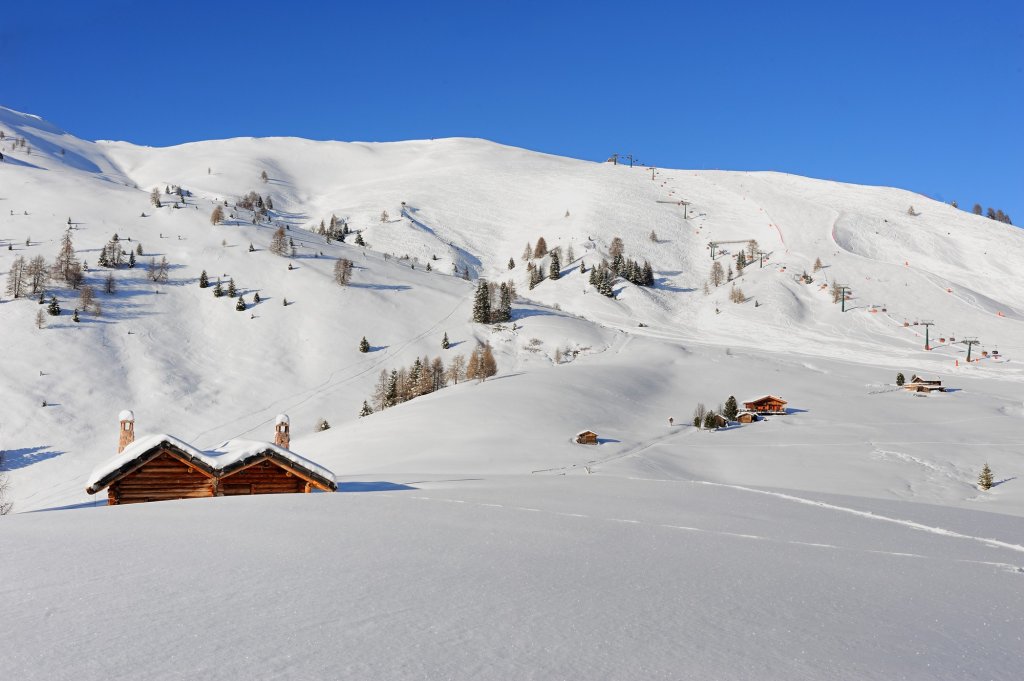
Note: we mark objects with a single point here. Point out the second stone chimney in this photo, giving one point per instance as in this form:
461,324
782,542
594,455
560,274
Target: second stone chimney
127,432
281,427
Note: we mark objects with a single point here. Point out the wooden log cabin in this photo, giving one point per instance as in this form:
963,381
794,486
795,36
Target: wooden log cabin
769,404
586,437
162,467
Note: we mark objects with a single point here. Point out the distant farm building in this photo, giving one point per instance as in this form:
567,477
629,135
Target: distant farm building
769,404
162,467
586,437
746,417
920,385
719,421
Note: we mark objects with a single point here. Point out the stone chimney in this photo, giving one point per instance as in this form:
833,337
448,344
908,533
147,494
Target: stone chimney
127,432
281,427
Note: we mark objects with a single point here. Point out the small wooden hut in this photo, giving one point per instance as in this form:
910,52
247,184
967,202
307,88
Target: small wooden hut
920,385
586,437
769,404
746,417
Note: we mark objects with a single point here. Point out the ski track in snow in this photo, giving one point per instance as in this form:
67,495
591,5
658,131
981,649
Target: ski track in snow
993,543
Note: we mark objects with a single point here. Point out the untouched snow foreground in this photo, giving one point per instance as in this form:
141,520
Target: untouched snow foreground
569,577
472,538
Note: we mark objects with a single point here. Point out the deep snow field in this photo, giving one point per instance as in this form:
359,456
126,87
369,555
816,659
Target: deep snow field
472,538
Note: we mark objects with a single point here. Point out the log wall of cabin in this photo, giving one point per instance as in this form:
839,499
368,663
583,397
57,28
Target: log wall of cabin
265,477
162,478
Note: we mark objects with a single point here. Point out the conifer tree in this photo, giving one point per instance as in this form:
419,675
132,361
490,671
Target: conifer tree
507,293
204,281
364,345
391,396
511,264
731,409
154,197
232,291
256,298
53,308
556,265
74,316
709,421
482,303
900,380
366,410
240,305
131,260
528,251
985,480
444,342
359,239
217,290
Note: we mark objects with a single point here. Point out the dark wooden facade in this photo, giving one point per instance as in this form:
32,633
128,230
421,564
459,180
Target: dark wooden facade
165,471
746,417
769,404
164,476
263,477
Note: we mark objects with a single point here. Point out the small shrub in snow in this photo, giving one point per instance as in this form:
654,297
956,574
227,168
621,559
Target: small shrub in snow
985,480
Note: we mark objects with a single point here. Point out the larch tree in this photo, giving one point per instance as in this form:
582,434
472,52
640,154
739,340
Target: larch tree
217,216
279,243
528,251
17,278
66,262
541,249
457,369
488,366
717,275
154,197
342,271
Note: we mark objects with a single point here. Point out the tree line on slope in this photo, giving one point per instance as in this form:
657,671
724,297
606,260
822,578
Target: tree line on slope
425,376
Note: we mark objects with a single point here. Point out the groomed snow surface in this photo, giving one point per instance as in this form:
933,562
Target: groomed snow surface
472,538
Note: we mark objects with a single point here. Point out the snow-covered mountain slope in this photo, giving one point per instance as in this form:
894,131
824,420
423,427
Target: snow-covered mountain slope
189,364
489,544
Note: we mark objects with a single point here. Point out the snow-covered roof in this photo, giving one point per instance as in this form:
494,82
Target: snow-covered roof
135,455
282,418
223,460
585,432
126,415
234,454
766,397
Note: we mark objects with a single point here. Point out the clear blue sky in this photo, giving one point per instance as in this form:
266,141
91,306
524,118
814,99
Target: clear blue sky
923,95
